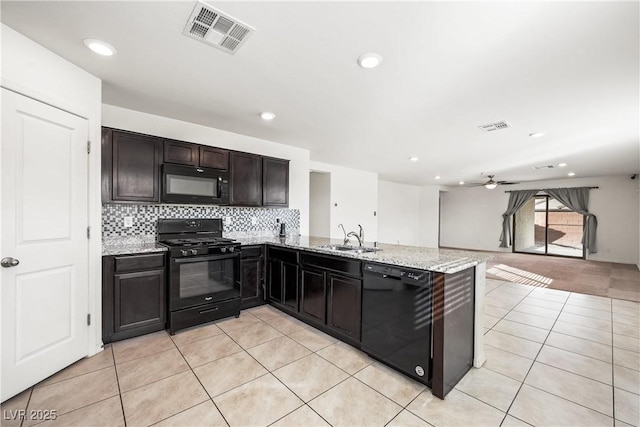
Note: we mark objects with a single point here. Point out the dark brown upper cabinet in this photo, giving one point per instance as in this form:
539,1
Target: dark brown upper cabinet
130,167
182,153
245,176
211,157
275,182
186,153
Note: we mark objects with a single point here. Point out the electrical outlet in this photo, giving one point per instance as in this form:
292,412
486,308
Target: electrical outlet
128,221
227,220
254,220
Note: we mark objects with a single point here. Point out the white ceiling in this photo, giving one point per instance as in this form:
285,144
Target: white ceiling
568,69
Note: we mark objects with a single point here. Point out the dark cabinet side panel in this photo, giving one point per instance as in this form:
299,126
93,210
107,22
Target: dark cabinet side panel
246,179
135,167
251,280
211,157
344,305
290,285
182,153
313,295
275,182
274,282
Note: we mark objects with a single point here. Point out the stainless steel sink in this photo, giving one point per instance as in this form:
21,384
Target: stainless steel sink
352,249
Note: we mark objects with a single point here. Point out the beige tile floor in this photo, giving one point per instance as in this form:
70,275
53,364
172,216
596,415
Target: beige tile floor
553,358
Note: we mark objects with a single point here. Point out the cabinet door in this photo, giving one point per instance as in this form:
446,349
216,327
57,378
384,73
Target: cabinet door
246,179
313,295
182,153
274,282
275,182
211,157
139,300
135,167
344,305
251,279
290,285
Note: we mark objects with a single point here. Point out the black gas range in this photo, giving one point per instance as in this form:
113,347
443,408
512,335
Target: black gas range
203,283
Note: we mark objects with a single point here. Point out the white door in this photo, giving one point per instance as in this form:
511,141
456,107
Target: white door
44,222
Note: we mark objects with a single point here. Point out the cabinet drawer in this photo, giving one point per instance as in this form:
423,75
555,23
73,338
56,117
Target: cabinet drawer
202,314
343,265
251,252
139,262
284,255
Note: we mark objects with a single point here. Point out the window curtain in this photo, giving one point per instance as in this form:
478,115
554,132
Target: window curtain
577,199
516,200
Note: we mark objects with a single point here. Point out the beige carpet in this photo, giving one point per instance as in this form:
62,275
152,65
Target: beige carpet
576,275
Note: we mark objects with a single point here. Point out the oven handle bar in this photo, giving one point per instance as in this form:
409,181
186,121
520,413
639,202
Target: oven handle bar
204,258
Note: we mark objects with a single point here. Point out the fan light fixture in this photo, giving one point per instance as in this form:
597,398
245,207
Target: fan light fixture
100,47
491,184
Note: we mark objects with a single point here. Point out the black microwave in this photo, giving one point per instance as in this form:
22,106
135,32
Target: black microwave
188,184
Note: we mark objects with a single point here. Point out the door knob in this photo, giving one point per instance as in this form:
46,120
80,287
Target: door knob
9,262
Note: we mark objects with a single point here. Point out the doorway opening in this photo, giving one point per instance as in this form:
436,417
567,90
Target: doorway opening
544,226
319,204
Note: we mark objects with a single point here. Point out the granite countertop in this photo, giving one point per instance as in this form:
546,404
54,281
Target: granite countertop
130,245
440,260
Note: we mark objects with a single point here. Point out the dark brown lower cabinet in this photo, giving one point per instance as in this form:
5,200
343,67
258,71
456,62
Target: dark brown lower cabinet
133,295
344,305
282,278
331,294
251,276
313,294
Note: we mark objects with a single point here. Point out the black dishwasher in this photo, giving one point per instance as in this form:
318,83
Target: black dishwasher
397,318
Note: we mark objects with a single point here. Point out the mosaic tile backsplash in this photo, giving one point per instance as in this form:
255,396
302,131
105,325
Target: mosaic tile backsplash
242,220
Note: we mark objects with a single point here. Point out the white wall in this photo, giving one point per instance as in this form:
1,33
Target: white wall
319,204
136,121
398,213
408,214
428,227
472,217
34,71
354,199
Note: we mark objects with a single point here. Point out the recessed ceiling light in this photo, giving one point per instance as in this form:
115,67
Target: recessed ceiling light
561,165
437,177
461,183
536,134
100,47
414,159
571,173
267,115
369,60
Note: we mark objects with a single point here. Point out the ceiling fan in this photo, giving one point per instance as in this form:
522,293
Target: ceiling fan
491,183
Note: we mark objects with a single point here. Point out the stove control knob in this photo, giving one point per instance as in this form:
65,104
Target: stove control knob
223,249
194,252
231,248
184,252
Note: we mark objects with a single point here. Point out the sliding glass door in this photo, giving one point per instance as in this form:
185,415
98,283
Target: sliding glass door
544,226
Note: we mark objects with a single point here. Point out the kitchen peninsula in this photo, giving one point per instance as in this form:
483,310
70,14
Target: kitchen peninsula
309,279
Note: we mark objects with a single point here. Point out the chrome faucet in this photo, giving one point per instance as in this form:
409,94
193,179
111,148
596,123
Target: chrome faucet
346,238
354,234
361,234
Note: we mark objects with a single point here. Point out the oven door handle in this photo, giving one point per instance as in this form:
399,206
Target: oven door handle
204,258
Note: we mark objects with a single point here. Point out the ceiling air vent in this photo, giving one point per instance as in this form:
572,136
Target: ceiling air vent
216,28
503,124
542,167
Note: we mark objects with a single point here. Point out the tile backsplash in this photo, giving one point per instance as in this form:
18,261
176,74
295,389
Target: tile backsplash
243,220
